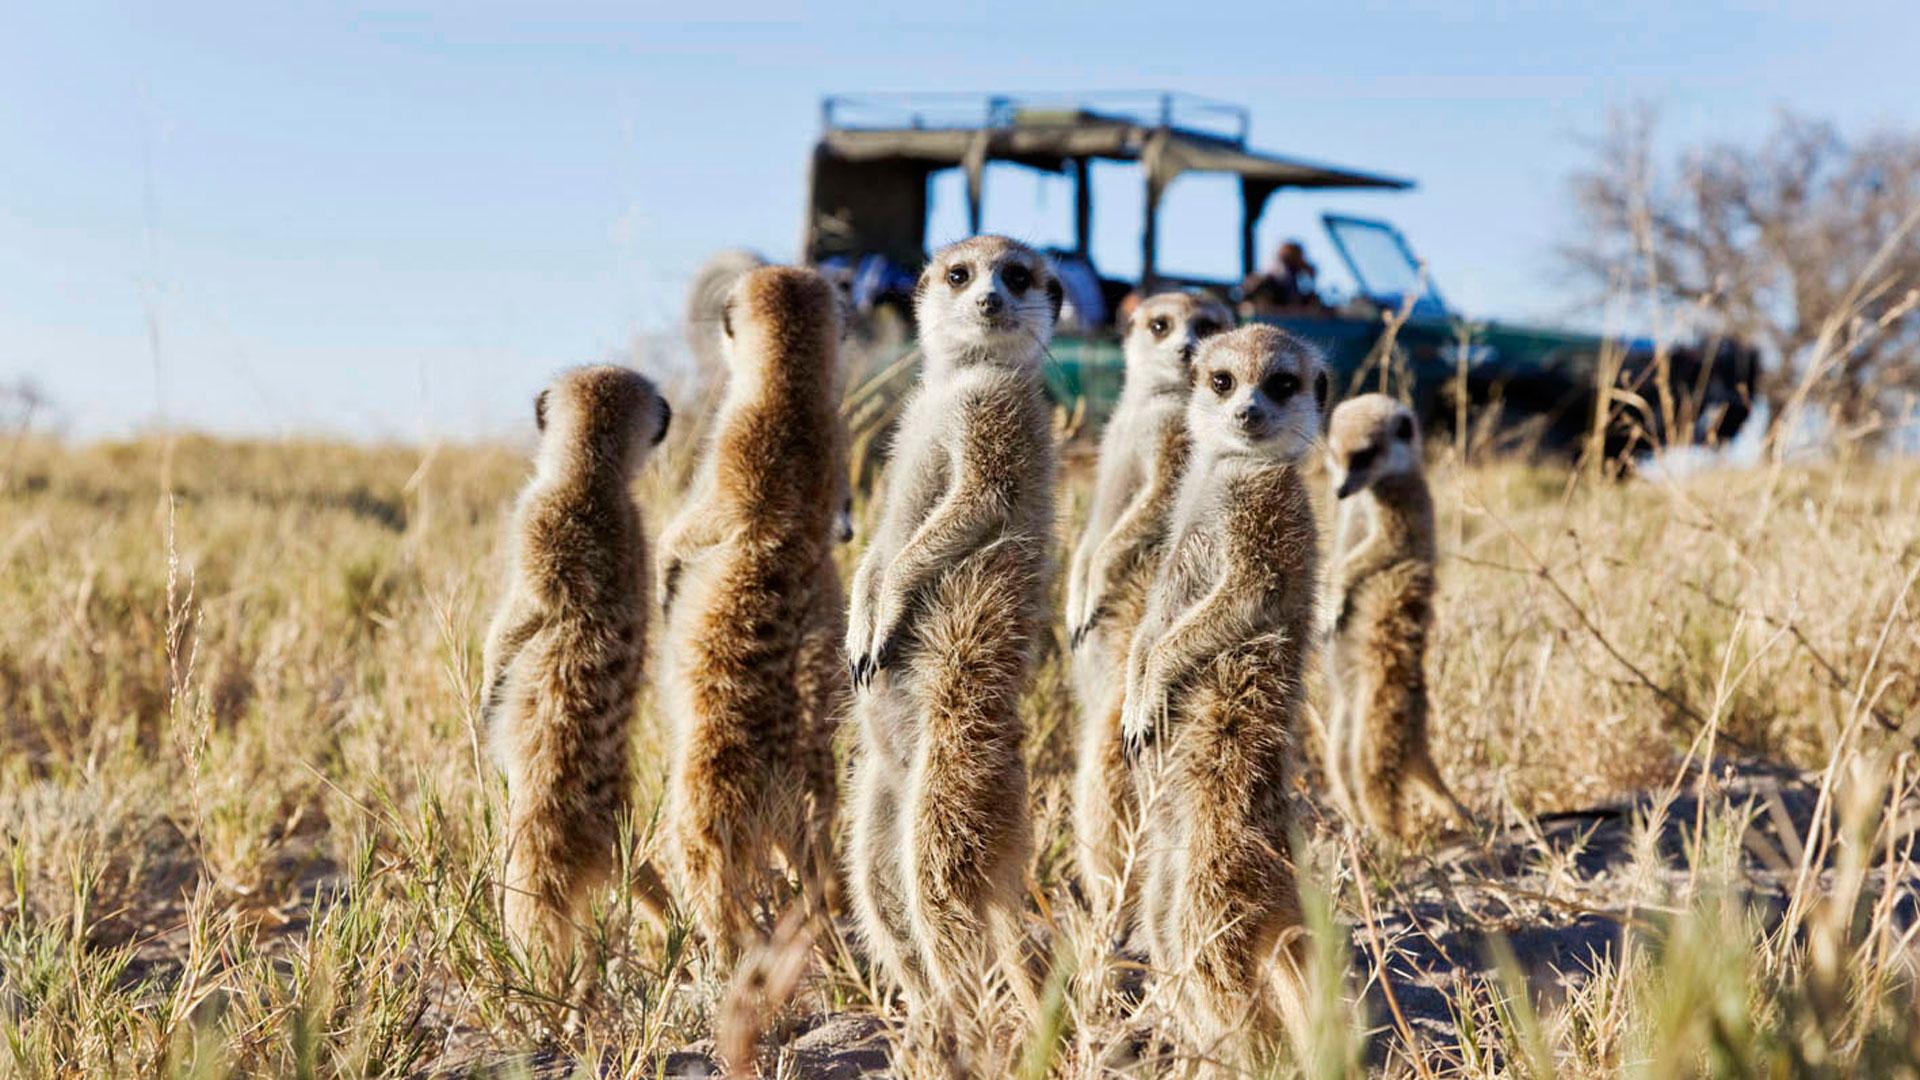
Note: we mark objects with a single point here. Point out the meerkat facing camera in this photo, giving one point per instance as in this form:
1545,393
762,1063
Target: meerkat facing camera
1142,454
947,604
1215,687
755,677
1377,751
566,651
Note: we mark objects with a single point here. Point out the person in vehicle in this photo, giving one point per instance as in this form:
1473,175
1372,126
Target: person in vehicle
1288,285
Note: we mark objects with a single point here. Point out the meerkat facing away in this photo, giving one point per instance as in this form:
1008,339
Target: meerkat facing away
1142,453
566,650
1214,689
1383,560
755,680
947,603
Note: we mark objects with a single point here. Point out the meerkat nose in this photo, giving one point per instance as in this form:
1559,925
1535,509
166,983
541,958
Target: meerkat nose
990,303
666,419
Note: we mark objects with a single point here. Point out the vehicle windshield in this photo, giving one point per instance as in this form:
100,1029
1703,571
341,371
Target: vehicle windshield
1382,266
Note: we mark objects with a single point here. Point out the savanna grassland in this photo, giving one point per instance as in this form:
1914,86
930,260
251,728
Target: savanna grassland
247,819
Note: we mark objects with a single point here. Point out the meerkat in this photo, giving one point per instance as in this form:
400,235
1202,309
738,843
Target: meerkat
1142,453
755,680
946,606
1383,568
567,650
1214,690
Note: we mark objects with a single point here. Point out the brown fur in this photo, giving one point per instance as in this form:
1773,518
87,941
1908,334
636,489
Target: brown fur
757,678
1220,903
947,607
1104,813
566,652
1378,754
1143,452
1214,694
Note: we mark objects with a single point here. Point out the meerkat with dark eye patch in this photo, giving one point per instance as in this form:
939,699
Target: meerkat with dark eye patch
755,680
1142,453
566,651
1215,687
947,605
1377,752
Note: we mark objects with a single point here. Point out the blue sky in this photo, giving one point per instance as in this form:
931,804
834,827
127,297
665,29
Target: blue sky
396,222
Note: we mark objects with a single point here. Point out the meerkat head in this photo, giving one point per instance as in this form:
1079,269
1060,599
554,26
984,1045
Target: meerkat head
781,323
1257,391
1371,437
1165,332
987,300
599,416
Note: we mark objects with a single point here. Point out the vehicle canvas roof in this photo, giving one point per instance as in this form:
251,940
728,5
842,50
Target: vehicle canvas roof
875,153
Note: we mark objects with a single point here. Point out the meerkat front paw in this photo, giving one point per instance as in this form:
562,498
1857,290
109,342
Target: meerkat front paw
859,637
884,646
669,583
1137,728
1096,612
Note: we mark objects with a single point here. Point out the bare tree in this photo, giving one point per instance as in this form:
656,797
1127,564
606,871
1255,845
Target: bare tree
1774,242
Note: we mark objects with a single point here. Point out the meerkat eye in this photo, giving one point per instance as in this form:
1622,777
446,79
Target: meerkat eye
1205,328
1281,385
1361,459
1404,429
958,275
1018,278
1159,325
1221,382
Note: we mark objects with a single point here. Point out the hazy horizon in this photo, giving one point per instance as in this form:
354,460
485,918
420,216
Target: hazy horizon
397,223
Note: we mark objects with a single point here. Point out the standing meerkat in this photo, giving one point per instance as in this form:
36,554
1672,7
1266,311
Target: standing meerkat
1383,569
755,679
1214,690
947,604
1142,454
567,649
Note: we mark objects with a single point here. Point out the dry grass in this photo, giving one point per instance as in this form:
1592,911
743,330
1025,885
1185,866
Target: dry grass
246,821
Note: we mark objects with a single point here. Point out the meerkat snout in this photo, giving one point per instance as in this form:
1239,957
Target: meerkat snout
1370,438
1257,391
988,297
1166,333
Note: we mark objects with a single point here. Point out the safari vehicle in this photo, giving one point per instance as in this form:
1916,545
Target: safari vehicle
868,202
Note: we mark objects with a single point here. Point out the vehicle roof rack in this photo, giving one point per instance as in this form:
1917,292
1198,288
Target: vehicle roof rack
1189,113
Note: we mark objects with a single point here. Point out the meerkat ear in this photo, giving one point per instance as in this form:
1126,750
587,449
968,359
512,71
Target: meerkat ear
540,410
1320,389
726,319
1056,296
1403,430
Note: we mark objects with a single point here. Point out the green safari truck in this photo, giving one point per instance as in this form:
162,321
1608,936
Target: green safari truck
868,200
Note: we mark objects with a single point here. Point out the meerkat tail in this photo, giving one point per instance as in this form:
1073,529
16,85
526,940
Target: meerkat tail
876,876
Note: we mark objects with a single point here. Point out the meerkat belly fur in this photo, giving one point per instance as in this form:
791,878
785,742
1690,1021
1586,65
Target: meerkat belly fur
566,652
1377,754
1142,454
1214,689
946,607
755,680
